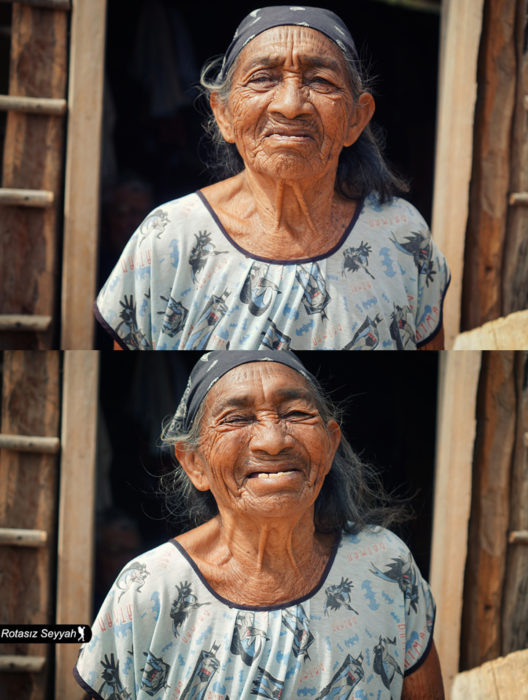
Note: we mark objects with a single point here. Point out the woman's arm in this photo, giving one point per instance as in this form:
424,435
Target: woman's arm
426,682
437,343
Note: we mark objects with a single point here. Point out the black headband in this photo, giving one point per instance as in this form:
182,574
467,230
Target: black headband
260,20
213,365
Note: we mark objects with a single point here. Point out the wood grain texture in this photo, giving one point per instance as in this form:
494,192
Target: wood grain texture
33,156
515,595
83,161
28,484
490,504
490,180
76,508
460,38
504,678
458,382
507,333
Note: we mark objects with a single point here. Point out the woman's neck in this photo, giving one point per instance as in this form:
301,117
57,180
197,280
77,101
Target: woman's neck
264,563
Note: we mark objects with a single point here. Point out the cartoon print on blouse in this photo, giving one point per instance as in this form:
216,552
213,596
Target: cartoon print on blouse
366,337
421,248
207,321
267,686
133,576
175,314
357,258
339,595
154,224
401,330
298,624
403,573
345,679
155,674
206,666
111,681
385,665
248,641
274,338
182,606
316,297
258,291
133,336
201,250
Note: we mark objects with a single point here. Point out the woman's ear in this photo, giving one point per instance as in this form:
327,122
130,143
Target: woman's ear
334,435
363,111
192,465
223,117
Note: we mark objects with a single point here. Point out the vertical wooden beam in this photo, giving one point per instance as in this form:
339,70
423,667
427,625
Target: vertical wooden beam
33,157
488,531
76,508
490,182
83,159
30,406
458,382
515,268
461,27
515,600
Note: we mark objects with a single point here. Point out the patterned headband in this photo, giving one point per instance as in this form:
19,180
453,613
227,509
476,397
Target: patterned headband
260,20
211,367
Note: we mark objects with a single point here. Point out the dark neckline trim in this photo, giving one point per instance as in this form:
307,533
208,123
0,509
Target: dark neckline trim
296,261
262,608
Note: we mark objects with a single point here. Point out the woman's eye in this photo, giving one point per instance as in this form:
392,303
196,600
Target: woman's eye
297,414
234,419
260,78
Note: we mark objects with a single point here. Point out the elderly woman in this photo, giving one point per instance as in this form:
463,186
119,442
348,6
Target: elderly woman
306,245
283,589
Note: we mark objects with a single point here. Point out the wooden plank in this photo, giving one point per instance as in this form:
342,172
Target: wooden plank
519,199
24,664
30,443
488,530
458,382
508,333
11,536
49,4
515,600
461,28
76,515
9,196
83,155
518,536
33,158
19,323
502,679
33,105
515,270
490,183
28,485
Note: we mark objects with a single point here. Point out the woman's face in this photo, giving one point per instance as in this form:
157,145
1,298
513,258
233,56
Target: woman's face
291,110
264,449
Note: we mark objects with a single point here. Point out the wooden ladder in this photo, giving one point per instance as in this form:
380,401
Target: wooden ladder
32,173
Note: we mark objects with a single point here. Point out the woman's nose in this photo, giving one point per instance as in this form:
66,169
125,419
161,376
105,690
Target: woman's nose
290,98
270,436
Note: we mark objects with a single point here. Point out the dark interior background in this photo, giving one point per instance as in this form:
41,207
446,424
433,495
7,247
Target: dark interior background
390,419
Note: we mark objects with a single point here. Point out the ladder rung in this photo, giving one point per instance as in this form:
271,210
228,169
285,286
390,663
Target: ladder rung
33,105
32,664
26,198
519,198
30,443
51,4
24,322
518,537
22,538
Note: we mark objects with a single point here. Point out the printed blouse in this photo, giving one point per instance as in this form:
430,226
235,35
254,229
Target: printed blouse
164,633
182,283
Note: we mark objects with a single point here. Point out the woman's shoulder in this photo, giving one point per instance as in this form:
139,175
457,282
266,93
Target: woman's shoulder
393,213
373,541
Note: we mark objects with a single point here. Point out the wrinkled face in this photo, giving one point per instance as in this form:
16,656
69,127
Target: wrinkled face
264,450
291,109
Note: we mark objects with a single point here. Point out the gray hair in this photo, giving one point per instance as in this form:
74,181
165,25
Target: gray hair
361,170
352,495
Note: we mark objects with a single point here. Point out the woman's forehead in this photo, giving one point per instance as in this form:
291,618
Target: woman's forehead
282,43
251,380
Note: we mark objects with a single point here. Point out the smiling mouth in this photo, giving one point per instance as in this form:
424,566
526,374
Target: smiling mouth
271,475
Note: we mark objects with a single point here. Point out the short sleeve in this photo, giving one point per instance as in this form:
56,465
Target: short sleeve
419,616
123,305
433,281
105,667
